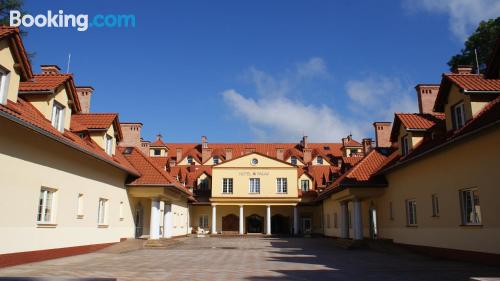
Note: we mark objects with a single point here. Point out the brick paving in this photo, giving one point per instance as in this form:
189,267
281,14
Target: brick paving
252,258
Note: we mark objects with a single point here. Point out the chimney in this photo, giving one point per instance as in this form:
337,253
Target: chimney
280,154
367,145
131,135
204,143
463,69
50,69
229,153
307,155
426,94
305,142
172,163
84,94
382,133
339,162
145,147
344,141
178,154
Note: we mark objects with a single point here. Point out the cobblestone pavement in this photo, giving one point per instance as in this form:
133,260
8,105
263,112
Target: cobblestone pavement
252,258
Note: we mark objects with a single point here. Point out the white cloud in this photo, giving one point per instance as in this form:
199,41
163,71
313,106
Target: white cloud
464,15
275,115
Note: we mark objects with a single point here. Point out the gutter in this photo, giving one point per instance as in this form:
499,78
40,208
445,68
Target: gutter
63,141
457,139
480,92
36,92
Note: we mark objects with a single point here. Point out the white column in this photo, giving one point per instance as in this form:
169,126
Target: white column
268,220
154,223
344,220
214,220
358,220
242,229
295,220
167,221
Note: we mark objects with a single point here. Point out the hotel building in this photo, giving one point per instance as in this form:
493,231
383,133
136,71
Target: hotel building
75,181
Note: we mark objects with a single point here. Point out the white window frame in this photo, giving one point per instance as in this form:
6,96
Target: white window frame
58,112
4,85
293,160
215,160
227,185
435,205
319,160
108,144
458,116
102,212
467,197
203,221
189,159
80,208
302,185
254,185
46,204
121,211
405,146
411,212
281,185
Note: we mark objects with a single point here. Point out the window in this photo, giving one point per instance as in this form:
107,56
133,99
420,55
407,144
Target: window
4,85
411,212
327,220
335,220
216,160
227,185
121,211
304,185
101,211
203,221
404,145
281,185
471,210
190,159
58,116
109,144
458,116
319,160
293,160
45,206
254,185
391,211
435,205
79,212
203,185
157,152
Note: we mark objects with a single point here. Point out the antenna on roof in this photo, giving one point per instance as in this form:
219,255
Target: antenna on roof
69,61
477,62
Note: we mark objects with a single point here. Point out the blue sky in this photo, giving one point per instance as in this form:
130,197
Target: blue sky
240,71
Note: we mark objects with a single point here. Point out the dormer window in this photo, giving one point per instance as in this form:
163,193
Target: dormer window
216,160
404,145
58,116
108,144
4,85
319,160
458,116
293,160
157,152
190,160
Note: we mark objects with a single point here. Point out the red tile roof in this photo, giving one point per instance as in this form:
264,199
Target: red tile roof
415,121
94,120
352,142
26,114
20,54
43,82
473,82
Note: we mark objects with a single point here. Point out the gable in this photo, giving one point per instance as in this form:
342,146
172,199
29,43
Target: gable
262,162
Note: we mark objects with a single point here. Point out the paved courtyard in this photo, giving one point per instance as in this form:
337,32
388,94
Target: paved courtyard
252,258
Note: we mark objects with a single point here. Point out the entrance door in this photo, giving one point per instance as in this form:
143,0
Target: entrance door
373,223
230,222
280,224
139,220
255,224
307,225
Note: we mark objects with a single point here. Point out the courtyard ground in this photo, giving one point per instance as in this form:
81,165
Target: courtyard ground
251,258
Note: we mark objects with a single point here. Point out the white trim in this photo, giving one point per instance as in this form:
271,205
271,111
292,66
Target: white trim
4,85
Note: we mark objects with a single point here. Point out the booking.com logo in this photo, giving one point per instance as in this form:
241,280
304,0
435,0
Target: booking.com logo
80,22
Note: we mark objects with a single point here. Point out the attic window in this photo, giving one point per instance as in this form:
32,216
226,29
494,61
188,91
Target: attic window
128,150
4,85
109,144
216,160
404,145
293,160
58,116
157,152
319,160
326,148
190,159
458,116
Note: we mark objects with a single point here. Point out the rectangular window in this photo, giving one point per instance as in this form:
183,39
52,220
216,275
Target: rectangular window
458,116
471,210
203,221
58,116
216,160
157,152
121,211
411,212
45,206
4,85
304,185
109,144
203,185
293,160
435,205
281,185
404,145
79,213
190,160
102,212
391,211
335,220
254,185
319,160
227,185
